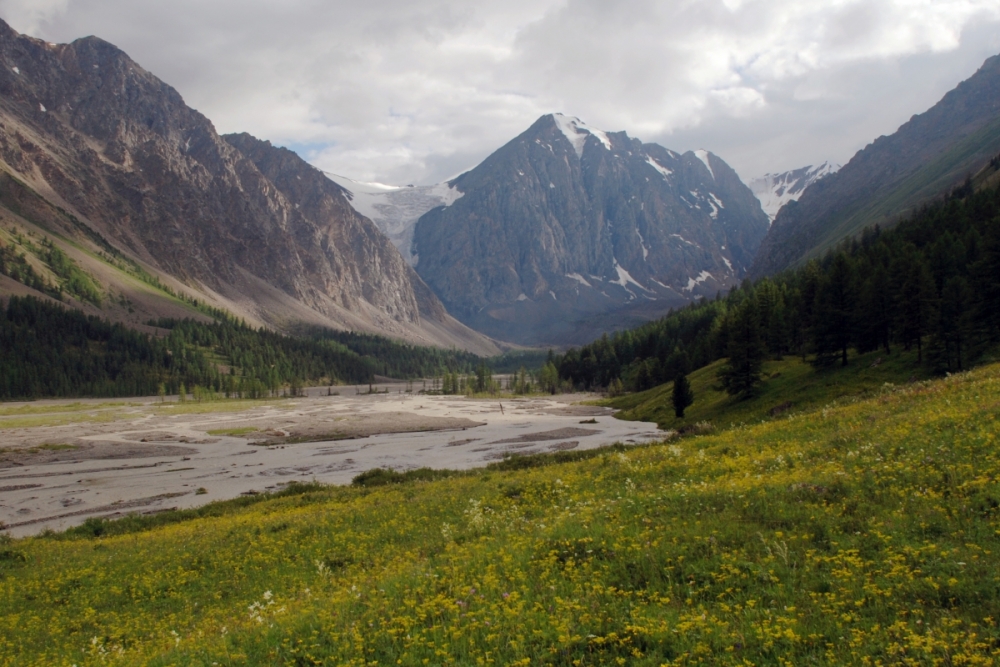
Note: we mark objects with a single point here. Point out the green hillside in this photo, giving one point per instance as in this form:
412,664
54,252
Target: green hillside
790,385
862,532
928,184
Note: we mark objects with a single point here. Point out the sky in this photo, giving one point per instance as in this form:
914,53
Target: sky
417,91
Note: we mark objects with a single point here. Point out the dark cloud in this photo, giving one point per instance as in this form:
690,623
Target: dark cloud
414,92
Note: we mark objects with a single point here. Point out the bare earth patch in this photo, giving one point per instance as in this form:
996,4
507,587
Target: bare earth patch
158,455
557,434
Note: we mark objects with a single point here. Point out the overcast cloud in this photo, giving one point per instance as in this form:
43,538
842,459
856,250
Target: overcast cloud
415,91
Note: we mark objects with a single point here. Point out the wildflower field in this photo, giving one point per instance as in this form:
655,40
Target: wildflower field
861,533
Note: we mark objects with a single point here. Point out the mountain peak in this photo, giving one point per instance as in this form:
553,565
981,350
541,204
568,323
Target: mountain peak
545,249
576,132
702,155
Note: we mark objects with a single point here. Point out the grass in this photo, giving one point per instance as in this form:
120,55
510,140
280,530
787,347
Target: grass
859,532
790,386
242,430
61,407
40,448
64,419
191,407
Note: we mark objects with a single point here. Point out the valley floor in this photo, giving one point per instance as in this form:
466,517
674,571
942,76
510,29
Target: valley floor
62,462
862,531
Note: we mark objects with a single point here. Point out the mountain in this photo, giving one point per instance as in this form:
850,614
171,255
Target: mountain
121,165
928,155
776,190
568,231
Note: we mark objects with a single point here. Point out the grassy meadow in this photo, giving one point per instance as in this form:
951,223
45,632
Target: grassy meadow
790,385
863,531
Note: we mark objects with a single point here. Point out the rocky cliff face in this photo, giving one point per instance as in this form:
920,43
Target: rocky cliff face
87,128
568,231
928,155
776,190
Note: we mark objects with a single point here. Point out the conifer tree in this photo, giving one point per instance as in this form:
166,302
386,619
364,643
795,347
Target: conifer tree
682,396
746,351
875,304
953,328
915,297
987,275
834,313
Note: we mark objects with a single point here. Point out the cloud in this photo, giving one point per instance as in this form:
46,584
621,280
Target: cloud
413,92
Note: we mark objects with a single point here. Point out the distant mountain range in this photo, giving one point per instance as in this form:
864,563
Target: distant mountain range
892,176
562,234
776,190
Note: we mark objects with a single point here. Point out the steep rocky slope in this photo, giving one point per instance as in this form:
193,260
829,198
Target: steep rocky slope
568,231
259,231
929,154
776,190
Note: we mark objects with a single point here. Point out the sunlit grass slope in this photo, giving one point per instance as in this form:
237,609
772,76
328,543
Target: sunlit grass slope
790,385
862,533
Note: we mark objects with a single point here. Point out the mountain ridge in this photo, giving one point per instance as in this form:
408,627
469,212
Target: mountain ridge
85,127
892,176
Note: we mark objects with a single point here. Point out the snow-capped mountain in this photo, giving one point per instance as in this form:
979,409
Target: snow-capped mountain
776,190
396,209
568,231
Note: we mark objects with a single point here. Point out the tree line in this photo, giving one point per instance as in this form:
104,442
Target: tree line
51,351
930,284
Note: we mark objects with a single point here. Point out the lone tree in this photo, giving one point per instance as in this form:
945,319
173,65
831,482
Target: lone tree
746,351
682,395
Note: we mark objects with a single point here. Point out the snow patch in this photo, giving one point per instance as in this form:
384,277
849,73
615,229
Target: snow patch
658,167
522,297
694,282
728,264
16,70
716,200
678,236
578,278
552,186
642,242
703,156
576,131
714,213
553,294
42,107
624,278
